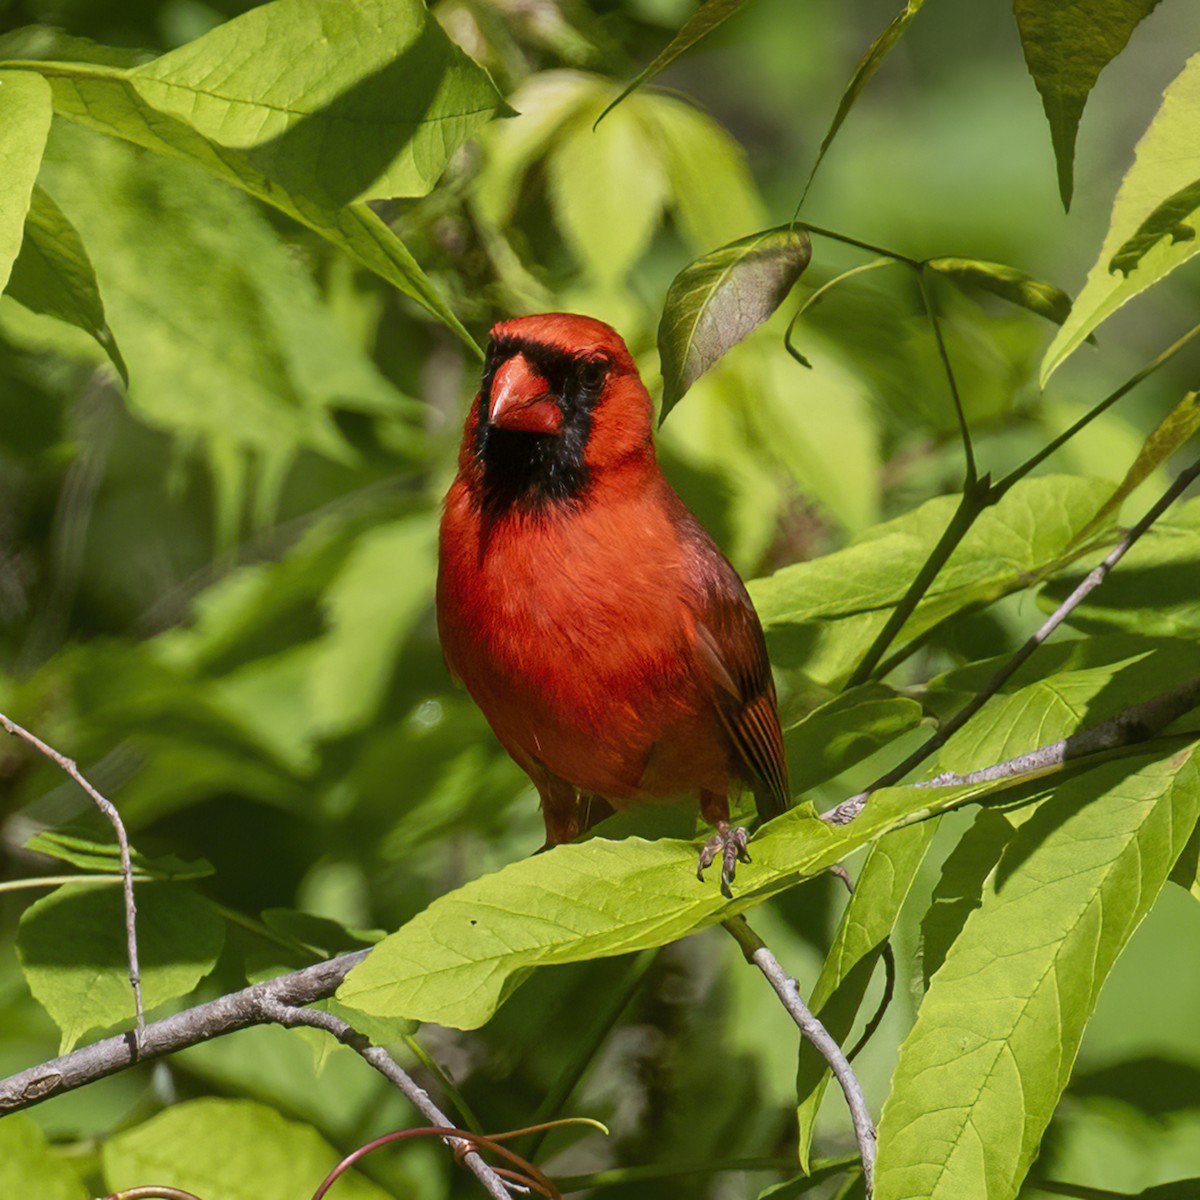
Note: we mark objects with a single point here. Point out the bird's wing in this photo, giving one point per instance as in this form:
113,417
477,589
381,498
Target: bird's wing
733,653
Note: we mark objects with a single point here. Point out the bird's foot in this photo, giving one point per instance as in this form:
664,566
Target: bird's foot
730,844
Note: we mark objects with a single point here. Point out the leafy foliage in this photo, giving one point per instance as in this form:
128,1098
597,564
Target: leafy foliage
247,269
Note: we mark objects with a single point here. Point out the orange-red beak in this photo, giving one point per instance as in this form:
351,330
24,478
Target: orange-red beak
521,399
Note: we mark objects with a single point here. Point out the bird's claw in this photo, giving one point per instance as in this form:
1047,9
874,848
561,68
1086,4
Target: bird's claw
730,844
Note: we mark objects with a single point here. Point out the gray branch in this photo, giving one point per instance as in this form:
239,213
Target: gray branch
758,954
849,809
114,819
290,1015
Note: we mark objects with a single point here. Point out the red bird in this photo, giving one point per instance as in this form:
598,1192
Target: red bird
609,643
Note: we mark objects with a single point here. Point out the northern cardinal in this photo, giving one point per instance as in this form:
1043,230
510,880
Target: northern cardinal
609,643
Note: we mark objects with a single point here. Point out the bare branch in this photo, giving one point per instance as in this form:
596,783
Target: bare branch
272,1008
225,1015
114,819
849,809
757,953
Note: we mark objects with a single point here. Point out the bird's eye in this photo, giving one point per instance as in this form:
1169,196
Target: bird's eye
592,372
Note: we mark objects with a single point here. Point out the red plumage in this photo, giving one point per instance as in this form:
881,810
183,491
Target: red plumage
609,643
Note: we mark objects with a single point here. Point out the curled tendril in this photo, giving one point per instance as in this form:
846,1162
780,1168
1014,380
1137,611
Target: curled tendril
152,1192
525,1175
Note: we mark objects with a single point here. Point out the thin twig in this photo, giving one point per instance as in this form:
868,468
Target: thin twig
944,354
849,809
290,1015
114,819
153,1192
757,953
238,1010
889,976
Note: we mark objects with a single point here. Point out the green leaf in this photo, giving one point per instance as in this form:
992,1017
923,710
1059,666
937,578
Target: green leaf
457,961
1173,431
226,336
106,101
1067,44
870,62
1008,283
959,888
105,858
1167,220
832,737
29,1168
337,100
882,886
608,188
53,275
720,299
1186,871
228,1150
1154,590
981,1072
71,944
1167,160
822,614
45,43
25,113
700,24
383,589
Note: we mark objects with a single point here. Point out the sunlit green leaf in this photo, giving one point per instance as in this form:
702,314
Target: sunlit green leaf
700,24
1169,219
722,298
107,102
1172,432
72,948
1153,592
608,188
870,62
53,275
454,963
822,614
998,1031
1167,160
337,100
1067,44
25,112
232,1149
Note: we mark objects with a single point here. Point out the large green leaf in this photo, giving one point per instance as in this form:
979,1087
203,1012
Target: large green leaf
106,101
822,614
997,1034
608,187
25,112
71,944
1153,591
228,1150
715,302
1067,44
226,336
53,275
28,1167
882,886
454,963
1167,160
337,100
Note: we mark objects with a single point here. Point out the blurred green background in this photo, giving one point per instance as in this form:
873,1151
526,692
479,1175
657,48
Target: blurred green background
215,590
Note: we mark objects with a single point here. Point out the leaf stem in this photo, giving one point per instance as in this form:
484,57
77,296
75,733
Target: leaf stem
975,498
1037,459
